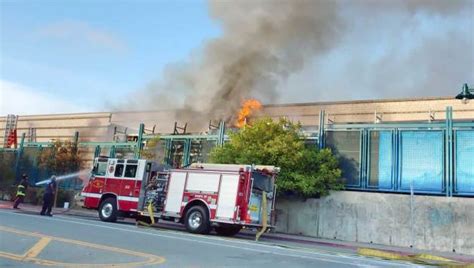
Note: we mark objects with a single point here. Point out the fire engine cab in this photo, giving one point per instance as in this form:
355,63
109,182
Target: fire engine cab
203,196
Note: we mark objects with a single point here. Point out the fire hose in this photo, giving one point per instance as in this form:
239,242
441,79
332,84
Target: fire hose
264,216
152,218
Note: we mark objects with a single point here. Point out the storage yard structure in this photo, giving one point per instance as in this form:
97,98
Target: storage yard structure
383,145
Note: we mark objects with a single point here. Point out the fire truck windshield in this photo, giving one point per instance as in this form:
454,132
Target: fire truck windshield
262,182
99,169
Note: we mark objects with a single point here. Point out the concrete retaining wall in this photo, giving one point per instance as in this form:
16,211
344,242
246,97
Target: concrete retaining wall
438,223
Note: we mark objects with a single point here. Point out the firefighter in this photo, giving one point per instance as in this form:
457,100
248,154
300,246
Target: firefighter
48,197
21,191
151,184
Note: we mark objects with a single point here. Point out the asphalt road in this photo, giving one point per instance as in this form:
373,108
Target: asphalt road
28,240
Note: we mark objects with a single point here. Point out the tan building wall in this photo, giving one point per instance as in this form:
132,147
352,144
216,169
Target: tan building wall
62,126
100,126
366,111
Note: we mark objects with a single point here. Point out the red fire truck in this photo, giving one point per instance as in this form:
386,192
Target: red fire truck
203,196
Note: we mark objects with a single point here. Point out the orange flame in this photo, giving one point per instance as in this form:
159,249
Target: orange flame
248,108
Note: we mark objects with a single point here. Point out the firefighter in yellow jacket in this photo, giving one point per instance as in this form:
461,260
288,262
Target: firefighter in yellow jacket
21,191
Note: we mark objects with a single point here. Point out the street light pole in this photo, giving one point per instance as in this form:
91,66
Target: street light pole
466,93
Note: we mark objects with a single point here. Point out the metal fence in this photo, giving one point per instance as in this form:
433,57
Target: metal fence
14,164
174,150
431,158
7,168
464,159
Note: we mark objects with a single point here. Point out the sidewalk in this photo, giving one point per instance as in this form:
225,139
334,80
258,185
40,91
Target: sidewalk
365,249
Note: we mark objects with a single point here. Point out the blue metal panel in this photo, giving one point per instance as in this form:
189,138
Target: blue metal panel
221,138
139,147
381,154
322,115
421,160
112,152
363,159
168,152
464,162
97,151
347,146
385,160
396,159
449,151
186,153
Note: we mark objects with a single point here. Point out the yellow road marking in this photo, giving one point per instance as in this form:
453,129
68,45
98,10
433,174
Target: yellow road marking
432,257
37,248
382,254
420,258
33,252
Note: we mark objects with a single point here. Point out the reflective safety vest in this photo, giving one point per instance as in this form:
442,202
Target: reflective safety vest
21,190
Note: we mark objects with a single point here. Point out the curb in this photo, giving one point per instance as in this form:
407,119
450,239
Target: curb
423,258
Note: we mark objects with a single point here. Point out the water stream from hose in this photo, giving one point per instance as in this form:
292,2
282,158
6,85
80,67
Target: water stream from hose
65,177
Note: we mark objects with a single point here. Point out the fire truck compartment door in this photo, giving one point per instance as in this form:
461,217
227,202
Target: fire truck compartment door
227,196
203,182
175,192
255,208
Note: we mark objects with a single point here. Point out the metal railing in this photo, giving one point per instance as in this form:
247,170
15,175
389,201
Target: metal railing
434,158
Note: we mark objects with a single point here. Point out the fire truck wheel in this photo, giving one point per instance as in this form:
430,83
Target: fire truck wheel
108,210
227,230
197,220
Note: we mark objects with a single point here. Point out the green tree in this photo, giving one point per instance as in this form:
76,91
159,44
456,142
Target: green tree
62,158
305,171
7,174
150,151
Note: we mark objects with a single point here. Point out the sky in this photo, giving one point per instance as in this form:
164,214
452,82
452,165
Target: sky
89,53
86,56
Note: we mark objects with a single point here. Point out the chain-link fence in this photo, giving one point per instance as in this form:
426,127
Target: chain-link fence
11,172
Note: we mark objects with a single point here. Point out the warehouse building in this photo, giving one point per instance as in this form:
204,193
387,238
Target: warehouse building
381,143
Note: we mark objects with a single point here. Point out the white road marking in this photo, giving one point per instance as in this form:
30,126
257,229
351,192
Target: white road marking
154,233
237,241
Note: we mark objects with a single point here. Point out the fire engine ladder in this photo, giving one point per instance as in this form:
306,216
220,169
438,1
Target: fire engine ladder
32,134
10,126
